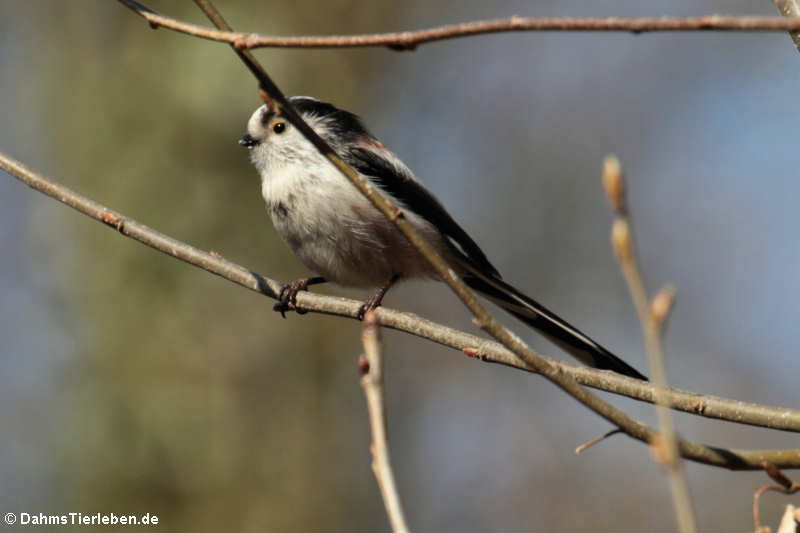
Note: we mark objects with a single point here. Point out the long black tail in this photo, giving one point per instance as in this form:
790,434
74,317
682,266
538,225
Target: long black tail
557,330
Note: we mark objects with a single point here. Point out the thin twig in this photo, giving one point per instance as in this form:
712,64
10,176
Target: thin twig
486,350
651,323
790,9
409,40
787,486
372,383
586,445
245,55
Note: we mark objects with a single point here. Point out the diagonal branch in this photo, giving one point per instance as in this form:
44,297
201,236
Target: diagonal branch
707,406
409,40
480,348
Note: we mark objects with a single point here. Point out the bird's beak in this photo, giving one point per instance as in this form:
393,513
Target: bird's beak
248,141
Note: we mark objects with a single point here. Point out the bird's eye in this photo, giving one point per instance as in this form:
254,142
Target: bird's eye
279,127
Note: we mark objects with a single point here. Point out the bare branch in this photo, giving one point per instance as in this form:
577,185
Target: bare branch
480,348
372,383
409,40
652,317
708,406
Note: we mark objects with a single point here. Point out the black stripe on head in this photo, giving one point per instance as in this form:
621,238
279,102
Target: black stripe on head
343,124
266,116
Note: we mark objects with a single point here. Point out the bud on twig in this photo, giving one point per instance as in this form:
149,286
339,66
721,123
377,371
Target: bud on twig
621,241
363,364
662,303
614,184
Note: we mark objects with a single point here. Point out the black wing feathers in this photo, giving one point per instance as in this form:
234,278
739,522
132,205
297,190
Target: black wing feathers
555,328
364,153
418,199
394,180
347,127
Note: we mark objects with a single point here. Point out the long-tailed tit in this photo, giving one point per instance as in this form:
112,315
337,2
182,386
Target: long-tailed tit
341,237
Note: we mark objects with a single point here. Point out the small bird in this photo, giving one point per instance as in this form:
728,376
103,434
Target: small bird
341,237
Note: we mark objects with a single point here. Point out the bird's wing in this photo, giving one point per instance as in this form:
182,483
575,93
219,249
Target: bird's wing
386,171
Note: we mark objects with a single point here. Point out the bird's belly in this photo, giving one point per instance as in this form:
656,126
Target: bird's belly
353,244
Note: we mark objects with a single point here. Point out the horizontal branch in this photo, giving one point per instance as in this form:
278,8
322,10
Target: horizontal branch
408,40
486,350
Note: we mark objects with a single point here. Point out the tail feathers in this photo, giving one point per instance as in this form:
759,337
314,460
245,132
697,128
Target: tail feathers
557,330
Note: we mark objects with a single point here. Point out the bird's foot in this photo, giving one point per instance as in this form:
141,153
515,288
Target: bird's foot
287,298
374,301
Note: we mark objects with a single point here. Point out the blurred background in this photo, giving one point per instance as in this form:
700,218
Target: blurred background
131,382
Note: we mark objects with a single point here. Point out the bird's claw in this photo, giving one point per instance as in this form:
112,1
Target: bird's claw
287,298
372,303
